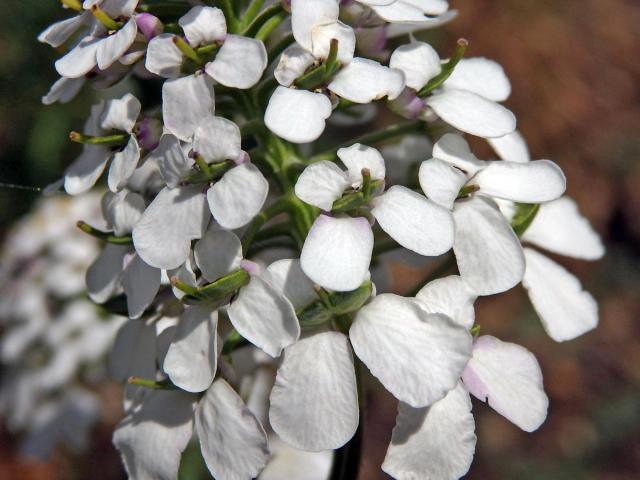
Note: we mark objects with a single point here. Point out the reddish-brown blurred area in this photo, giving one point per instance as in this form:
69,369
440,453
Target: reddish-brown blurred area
575,70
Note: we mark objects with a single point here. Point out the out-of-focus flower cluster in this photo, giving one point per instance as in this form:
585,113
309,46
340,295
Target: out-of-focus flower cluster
245,261
54,339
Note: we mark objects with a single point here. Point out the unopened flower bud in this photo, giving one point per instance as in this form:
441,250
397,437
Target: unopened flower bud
149,25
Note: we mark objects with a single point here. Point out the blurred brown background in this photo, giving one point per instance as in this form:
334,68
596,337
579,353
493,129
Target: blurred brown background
575,70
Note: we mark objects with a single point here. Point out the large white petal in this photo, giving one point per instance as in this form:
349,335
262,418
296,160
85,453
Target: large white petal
337,252
240,62
440,181
530,182
511,147
171,159
482,76
186,102
122,210
164,58
321,36
217,139
565,309
203,25
305,14
454,149
472,113
418,61
103,275
264,316
358,156
560,228
141,283
450,296
232,441
364,80
114,46
507,377
414,221
238,196
121,113
293,62
84,172
297,115
191,360
417,356
321,184
63,90
163,235
314,402
287,276
218,253
80,60
152,439
291,463
488,252
436,442
123,165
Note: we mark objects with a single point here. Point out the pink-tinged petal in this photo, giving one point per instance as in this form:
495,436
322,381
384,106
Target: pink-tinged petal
507,377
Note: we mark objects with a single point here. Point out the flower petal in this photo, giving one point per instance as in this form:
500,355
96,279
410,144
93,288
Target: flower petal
58,33
440,181
186,102
488,252
293,62
218,253
238,196
122,210
337,252
240,62
297,115
511,147
451,297
418,61
321,36
217,139
192,358
264,316
560,228
507,377
171,159
162,237
414,221
436,442
531,182
164,58
103,276
121,113
358,156
151,439
565,309
314,402
203,25
141,283
84,172
417,356
63,90
80,60
123,165
305,14
114,46
481,76
321,184
287,276
222,415
364,80
472,113
454,149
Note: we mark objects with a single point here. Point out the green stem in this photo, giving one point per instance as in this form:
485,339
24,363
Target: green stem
165,8
447,69
269,26
282,205
252,11
108,237
145,382
119,139
371,138
233,342
73,4
262,18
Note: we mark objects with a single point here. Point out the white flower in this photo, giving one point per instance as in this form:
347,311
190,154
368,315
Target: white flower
299,115
468,99
337,250
239,62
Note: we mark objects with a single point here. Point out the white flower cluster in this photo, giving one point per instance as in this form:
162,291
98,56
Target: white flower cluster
54,339
221,231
